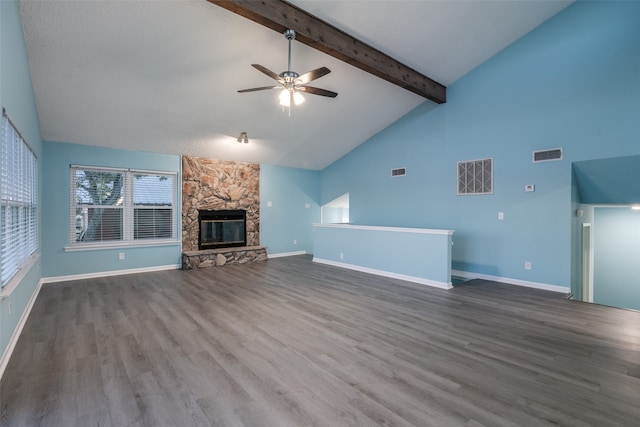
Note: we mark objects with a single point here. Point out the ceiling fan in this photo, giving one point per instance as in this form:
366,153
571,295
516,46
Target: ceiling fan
291,82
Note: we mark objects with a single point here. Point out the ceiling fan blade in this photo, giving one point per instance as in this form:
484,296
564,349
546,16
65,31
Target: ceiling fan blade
255,89
317,91
312,75
267,71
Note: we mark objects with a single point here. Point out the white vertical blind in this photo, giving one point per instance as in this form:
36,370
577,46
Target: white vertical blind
19,201
114,205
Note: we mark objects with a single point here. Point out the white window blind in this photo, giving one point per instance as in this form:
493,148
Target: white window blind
98,205
154,216
19,194
117,206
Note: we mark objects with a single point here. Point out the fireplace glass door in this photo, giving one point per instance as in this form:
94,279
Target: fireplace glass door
221,229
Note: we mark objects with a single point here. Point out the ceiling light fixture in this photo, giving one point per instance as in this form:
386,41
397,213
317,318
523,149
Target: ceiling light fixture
635,207
243,138
287,94
291,83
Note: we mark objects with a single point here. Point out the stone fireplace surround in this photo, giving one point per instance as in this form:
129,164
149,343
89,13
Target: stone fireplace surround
219,185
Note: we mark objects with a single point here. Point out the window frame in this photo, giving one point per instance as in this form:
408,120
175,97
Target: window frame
128,208
18,193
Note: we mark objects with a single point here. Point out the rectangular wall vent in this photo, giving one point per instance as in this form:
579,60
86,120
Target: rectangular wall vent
547,155
475,177
399,172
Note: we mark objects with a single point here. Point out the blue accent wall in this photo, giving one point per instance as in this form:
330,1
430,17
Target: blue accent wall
573,82
289,190
616,248
16,96
56,192
608,181
413,254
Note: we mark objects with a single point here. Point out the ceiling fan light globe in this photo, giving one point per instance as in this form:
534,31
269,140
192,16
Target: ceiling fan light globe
298,98
285,100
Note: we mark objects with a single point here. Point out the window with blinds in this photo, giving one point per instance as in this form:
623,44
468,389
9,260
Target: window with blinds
117,206
19,204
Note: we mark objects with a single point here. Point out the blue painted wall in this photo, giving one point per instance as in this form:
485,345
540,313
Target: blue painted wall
608,181
616,250
16,96
420,257
56,188
289,190
573,82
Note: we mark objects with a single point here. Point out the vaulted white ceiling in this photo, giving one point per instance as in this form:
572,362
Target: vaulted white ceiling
162,76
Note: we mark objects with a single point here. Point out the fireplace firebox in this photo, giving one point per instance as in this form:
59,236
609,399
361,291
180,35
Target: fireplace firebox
222,228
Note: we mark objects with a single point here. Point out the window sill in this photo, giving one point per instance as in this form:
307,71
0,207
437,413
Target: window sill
15,280
120,245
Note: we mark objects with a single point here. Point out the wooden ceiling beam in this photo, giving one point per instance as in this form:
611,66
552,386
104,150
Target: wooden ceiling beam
312,31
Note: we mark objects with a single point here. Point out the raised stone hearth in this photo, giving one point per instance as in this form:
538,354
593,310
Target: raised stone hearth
217,257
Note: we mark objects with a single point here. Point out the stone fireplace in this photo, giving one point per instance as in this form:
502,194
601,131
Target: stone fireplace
229,187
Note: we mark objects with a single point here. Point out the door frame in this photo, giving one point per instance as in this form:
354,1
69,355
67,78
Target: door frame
587,262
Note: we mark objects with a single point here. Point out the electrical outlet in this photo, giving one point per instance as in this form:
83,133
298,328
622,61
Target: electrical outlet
500,216
269,204
527,265
307,205
529,188
10,309
295,242
341,255
121,256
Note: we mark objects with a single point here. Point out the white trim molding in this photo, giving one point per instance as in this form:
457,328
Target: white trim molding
4,360
510,281
56,279
419,280
392,229
99,247
283,254
17,279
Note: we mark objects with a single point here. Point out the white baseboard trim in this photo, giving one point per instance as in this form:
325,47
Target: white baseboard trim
509,281
55,279
419,280
282,254
4,361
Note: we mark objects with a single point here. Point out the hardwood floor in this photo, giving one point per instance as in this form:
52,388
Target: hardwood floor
291,343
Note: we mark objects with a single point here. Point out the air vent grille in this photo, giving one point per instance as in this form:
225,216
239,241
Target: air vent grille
475,177
547,155
398,172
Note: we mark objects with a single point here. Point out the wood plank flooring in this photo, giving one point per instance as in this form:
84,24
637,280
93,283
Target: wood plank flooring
291,343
